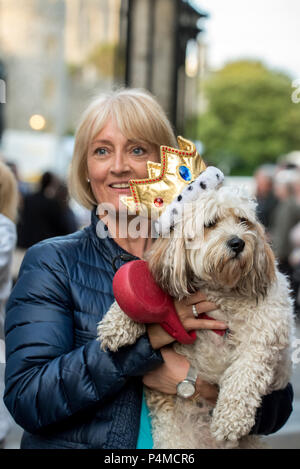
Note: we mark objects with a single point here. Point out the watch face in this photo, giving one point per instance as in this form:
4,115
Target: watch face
185,389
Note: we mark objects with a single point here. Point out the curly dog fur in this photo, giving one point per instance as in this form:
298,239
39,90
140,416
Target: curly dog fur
252,298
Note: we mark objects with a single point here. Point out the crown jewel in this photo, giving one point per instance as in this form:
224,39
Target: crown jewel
166,180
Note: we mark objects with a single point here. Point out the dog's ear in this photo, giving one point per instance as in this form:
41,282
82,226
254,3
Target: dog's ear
167,263
264,263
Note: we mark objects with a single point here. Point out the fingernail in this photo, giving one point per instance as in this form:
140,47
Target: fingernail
223,325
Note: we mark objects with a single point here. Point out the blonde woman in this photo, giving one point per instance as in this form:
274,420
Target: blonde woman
60,386
8,213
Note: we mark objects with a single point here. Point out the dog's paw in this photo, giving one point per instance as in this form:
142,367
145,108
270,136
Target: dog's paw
105,334
117,330
231,423
221,432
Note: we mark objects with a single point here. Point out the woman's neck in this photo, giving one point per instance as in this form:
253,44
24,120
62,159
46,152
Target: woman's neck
137,247
132,235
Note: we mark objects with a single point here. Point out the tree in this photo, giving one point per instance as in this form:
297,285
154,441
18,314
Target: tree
250,119
109,59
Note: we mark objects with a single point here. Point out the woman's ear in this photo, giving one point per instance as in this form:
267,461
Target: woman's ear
167,263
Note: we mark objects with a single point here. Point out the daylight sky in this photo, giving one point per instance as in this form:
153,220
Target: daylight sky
265,29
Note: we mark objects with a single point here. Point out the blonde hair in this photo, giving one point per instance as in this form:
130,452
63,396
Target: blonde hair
138,116
9,193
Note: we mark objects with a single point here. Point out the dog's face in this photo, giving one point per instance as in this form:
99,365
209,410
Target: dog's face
217,240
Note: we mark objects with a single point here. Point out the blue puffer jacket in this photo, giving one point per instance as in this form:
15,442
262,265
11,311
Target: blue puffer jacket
60,387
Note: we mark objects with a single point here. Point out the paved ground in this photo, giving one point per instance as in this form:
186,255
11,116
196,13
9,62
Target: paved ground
14,437
287,438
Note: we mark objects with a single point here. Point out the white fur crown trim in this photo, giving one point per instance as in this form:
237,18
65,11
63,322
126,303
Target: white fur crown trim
209,179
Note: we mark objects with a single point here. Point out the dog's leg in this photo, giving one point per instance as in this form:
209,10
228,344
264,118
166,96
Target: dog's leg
116,329
241,388
161,407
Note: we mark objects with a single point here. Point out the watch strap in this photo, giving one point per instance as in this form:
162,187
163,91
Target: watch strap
192,374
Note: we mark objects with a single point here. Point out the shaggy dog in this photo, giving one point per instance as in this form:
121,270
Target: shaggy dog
218,247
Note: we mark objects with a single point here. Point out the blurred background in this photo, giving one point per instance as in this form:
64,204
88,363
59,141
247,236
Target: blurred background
227,74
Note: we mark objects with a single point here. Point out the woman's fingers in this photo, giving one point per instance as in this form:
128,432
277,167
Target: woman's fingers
195,324
186,315
205,307
195,298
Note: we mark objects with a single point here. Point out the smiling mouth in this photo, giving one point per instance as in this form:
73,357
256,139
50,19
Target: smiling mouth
119,186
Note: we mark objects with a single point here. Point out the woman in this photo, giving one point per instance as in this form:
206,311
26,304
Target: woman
8,214
61,388
45,213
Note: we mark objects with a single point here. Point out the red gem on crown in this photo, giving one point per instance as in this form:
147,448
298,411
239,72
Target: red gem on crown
158,202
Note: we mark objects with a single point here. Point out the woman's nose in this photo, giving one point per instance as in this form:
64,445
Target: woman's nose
120,163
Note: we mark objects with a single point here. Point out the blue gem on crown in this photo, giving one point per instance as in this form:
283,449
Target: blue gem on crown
185,173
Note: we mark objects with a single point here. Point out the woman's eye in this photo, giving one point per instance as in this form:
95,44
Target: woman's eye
138,151
100,151
210,224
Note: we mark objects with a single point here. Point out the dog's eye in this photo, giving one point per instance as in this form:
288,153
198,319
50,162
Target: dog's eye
243,220
210,224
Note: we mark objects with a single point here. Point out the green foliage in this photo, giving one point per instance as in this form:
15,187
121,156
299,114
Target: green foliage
109,59
250,119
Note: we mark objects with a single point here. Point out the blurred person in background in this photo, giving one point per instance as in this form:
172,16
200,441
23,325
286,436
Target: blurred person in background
286,216
8,212
24,187
266,199
45,213
294,257
63,198
294,261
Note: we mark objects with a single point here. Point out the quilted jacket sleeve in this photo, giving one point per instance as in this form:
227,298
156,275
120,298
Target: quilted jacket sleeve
47,380
274,411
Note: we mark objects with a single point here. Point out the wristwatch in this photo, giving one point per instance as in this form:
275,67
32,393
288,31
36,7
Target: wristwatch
187,388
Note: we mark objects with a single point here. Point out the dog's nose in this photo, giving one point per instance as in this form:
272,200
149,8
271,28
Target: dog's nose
236,244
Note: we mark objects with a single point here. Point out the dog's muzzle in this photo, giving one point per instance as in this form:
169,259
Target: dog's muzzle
236,244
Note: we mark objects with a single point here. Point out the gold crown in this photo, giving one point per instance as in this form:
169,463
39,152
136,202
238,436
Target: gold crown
165,180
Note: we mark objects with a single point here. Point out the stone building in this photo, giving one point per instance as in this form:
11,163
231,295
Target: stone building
58,54
49,49
156,52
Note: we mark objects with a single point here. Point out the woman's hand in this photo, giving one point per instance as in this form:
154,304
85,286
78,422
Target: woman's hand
186,316
175,369
159,337
166,377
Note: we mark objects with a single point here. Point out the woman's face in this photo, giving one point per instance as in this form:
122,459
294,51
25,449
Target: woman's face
113,160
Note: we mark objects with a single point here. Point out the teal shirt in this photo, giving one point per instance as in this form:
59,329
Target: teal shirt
145,436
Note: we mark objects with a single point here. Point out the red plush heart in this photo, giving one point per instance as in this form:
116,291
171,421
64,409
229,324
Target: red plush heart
139,296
